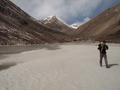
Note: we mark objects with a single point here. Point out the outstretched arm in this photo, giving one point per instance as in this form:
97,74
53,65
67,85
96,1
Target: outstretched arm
99,47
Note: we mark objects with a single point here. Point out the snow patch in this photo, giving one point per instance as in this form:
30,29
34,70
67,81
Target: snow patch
77,24
49,18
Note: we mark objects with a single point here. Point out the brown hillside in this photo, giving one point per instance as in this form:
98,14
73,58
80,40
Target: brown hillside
106,26
17,27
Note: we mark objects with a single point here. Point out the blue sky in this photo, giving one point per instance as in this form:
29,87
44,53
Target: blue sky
70,11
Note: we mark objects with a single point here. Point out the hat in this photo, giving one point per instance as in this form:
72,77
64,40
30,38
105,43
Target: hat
104,41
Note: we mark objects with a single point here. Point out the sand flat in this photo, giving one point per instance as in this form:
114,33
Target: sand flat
60,67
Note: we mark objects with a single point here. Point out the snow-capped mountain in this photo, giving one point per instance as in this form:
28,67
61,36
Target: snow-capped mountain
57,24
17,27
48,19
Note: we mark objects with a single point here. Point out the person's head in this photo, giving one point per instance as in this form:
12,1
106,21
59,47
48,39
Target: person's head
104,42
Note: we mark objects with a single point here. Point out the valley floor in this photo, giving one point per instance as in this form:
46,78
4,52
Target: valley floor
59,67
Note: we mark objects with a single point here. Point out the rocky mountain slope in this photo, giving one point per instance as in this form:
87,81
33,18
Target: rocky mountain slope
17,27
56,24
106,26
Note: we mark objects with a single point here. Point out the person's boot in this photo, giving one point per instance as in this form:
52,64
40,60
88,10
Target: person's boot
107,66
100,64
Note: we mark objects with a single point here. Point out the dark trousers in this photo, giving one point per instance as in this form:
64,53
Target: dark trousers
105,58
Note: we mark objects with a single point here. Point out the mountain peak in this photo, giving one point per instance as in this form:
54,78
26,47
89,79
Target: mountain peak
57,24
49,19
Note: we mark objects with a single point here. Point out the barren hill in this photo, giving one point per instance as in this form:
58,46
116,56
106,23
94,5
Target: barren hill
105,26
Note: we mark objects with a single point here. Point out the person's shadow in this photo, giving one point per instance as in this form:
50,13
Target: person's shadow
112,65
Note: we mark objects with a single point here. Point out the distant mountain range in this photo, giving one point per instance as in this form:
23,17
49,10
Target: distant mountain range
17,27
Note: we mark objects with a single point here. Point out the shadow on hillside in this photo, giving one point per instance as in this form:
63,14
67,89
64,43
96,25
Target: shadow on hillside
6,66
5,51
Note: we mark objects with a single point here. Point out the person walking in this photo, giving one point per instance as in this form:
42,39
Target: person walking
102,47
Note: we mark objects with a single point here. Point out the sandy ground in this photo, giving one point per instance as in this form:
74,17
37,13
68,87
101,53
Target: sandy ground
58,67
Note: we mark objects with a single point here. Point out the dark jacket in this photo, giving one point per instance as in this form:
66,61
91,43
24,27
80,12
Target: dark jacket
102,48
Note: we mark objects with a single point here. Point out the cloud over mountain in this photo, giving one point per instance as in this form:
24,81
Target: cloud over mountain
65,9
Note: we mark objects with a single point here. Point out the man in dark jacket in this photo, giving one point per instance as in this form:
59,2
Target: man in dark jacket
102,47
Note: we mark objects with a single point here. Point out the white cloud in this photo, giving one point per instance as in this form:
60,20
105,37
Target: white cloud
65,9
